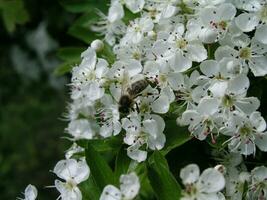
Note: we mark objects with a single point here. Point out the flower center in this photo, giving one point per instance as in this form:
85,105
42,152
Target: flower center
181,44
245,131
136,55
70,184
222,25
162,78
227,101
191,189
245,53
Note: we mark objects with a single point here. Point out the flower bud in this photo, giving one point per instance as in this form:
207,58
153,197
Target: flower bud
97,45
220,168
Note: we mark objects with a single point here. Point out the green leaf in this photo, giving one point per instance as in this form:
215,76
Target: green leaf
100,170
82,33
64,68
70,53
122,162
13,13
175,136
90,190
107,53
79,6
161,179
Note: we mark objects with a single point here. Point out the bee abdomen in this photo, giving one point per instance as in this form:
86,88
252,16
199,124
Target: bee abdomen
137,87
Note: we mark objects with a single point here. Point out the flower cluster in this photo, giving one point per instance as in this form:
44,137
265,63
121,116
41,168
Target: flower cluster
189,59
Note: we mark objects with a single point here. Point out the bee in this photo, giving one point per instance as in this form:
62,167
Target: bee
126,101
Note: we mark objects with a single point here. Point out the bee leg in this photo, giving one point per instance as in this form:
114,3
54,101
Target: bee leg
137,107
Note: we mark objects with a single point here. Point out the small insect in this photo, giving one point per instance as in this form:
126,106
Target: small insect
126,101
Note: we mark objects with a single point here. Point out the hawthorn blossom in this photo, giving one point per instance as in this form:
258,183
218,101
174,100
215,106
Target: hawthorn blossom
30,193
204,186
72,172
129,188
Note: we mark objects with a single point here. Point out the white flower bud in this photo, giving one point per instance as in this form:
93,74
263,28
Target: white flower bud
220,168
97,45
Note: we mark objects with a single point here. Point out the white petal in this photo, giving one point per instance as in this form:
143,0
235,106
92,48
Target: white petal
189,174
129,185
89,57
261,35
226,11
134,67
136,154
218,88
208,106
176,80
161,105
197,52
211,180
110,192
94,91
169,11
261,141
101,68
209,68
259,174
30,192
180,63
246,22
248,105
191,117
257,121
225,51
68,193
238,85
115,12
259,66
135,6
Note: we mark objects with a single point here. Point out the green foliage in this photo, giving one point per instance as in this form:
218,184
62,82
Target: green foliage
70,56
13,13
175,136
100,170
163,182
80,6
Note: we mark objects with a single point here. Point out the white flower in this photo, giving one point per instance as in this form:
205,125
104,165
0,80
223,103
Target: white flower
235,183
73,150
247,132
258,186
129,188
257,13
81,129
30,193
148,131
137,28
250,53
201,119
218,19
72,172
204,186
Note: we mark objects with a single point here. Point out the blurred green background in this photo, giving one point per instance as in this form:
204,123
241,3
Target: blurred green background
32,97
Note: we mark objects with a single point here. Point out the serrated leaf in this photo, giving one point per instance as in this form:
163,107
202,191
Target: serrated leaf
13,13
162,181
175,136
79,6
89,189
64,68
70,53
100,170
122,162
82,33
